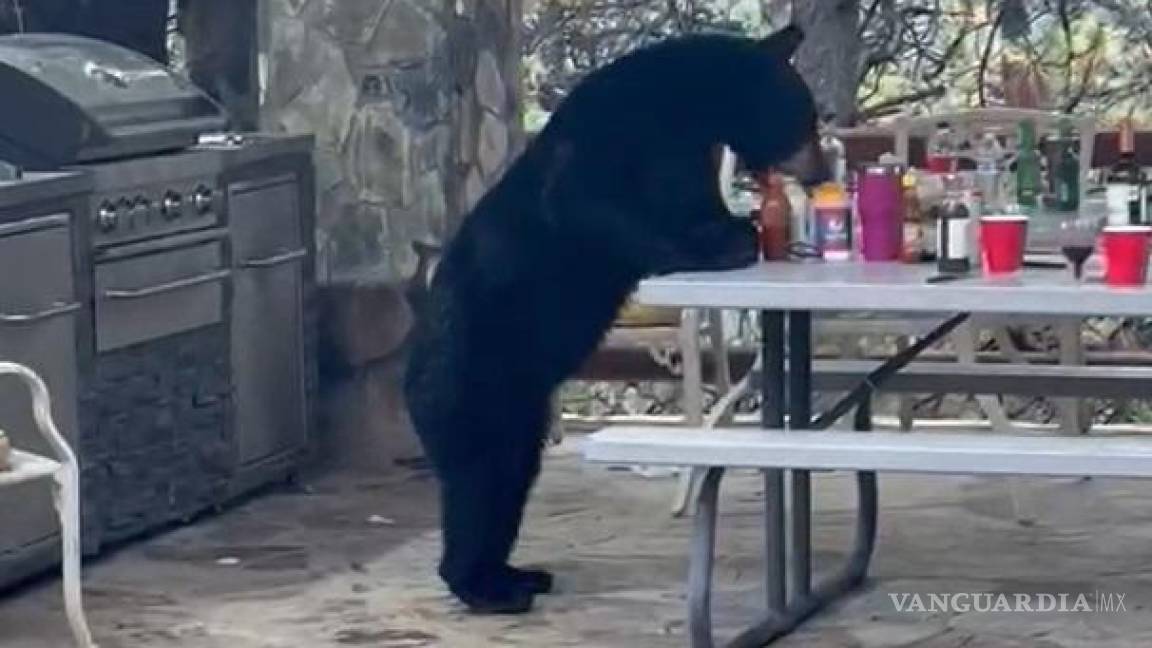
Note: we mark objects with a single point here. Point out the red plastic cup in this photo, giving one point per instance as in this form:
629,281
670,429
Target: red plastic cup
1002,241
1126,254
941,164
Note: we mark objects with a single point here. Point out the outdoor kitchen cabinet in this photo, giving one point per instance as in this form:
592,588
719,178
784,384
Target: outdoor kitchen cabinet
268,365
41,315
268,185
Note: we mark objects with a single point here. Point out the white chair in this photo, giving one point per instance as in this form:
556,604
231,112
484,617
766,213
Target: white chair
65,474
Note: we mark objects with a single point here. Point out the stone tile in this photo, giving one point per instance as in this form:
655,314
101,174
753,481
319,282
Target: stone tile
377,155
490,88
407,33
493,147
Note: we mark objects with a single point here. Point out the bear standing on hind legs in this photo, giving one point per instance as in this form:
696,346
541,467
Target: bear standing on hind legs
620,185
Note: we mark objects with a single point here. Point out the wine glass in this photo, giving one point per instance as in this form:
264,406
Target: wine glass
1078,241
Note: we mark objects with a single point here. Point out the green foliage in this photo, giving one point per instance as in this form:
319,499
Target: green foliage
920,55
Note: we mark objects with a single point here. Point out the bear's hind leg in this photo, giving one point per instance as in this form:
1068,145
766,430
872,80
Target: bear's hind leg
473,567
520,475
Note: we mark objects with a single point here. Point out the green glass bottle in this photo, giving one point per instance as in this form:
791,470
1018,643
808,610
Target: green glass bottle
1067,172
1028,180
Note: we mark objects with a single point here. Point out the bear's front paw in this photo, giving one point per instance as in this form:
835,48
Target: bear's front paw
736,244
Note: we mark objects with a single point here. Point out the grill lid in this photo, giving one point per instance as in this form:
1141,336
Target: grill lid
69,99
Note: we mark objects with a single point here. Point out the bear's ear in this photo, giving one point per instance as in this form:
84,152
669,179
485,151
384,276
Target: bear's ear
783,43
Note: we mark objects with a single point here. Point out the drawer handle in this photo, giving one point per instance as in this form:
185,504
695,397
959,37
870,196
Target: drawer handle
57,310
276,259
159,289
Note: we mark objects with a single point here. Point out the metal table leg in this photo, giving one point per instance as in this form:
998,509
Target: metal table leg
784,615
800,418
775,625
772,417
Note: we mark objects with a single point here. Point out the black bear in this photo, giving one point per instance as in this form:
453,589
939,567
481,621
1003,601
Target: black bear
621,184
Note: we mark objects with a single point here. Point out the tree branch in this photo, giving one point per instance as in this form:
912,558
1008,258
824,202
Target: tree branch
982,71
890,105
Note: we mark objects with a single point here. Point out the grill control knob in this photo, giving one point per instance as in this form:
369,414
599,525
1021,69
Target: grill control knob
124,217
106,217
172,206
203,200
141,210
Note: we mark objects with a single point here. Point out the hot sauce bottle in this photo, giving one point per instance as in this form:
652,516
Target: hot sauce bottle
775,217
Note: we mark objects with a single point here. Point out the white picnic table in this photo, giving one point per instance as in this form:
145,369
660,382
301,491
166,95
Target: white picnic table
786,294
893,288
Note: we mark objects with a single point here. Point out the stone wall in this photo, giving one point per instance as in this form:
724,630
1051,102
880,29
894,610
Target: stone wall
160,446
414,106
415,111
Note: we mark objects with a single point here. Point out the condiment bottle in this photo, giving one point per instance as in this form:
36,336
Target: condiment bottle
775,218
913,248
832,221
954,233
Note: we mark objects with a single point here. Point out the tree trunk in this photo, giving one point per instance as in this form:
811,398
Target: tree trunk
830,58
141,25
220,45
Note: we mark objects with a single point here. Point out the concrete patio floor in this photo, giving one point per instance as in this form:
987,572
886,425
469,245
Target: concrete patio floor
348,561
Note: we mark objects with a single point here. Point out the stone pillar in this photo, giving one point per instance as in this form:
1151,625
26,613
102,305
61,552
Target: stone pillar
415,108
414,104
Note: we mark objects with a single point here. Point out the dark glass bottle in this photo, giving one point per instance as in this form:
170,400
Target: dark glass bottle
1028,171
954,233
1128,174
1067,173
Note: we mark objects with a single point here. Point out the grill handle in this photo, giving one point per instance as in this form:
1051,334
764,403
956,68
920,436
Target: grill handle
159,289
275,260
56,310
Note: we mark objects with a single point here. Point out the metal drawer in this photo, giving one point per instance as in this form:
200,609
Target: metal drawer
145,293
38,310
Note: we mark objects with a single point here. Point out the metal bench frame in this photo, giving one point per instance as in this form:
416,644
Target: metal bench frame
790,597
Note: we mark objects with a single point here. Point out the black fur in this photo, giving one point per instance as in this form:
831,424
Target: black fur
620,185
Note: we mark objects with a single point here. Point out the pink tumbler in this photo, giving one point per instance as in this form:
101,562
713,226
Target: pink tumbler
879,202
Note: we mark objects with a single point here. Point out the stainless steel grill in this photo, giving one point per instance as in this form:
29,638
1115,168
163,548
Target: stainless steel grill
69,99
196,324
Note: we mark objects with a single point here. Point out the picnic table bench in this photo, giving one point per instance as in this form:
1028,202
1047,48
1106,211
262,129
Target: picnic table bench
789,446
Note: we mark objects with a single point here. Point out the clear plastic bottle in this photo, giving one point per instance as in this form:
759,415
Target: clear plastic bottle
988,155
834,152
941,153
801,228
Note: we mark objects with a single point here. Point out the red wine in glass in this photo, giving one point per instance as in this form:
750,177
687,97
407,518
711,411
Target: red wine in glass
1077,255
1078,241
